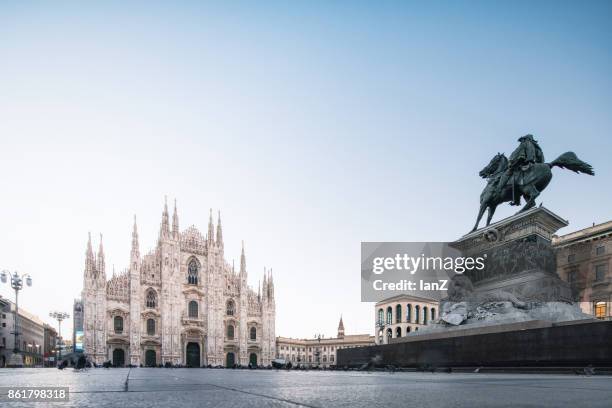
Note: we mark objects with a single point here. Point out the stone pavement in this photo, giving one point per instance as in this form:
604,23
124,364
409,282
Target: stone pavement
164,387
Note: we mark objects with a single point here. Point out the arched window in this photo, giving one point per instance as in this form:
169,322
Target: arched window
230,308
433,314
425,315
417,310
192,272
151,298
389,315
398,332
230,332
389,334
193,309
381,317
151,327
253,333
398,314
409,313
407,329
118,324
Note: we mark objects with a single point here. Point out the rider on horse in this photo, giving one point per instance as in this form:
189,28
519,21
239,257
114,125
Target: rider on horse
527,153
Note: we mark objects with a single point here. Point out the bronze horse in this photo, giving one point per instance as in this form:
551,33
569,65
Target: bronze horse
528,182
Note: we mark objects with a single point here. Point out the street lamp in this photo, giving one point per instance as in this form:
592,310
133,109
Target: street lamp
16,359
59,316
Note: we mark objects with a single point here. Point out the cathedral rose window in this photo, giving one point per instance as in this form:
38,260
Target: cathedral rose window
230,308
192,272
151,299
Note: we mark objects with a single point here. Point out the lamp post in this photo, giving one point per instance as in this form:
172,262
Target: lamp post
59,316
16,359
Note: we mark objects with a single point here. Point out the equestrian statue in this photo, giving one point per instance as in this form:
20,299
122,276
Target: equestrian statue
524,175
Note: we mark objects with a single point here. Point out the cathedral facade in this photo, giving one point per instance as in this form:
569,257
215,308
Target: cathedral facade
181,303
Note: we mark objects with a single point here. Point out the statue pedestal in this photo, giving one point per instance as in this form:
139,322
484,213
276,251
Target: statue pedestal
519,257
15,361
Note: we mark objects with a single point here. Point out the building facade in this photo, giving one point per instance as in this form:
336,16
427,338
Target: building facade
319,352
181,303
584,260
50,346
30,335
401,315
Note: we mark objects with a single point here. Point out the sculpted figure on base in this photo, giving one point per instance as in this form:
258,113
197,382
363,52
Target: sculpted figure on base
525,175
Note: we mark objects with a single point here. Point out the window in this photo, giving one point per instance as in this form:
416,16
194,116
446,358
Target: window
398,332
571,258
601,310
409,313
118,324
151,327
192,272
151,298
425,315
253,333
381,317
193,309
600,272
230,332
417,310
600,250
398,314
230,308
331,359
433,313
389,315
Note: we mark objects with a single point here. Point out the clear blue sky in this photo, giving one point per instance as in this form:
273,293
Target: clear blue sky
312,126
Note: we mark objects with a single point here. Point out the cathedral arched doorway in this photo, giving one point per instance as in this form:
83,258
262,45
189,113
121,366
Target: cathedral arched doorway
118,357
150,358
230,360
192,355
253,359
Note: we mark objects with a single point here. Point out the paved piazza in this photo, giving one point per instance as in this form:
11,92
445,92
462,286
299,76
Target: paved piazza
161,387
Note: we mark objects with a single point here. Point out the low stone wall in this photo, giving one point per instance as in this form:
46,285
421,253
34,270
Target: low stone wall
561,344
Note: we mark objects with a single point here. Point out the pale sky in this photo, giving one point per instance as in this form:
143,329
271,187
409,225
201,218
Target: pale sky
311,126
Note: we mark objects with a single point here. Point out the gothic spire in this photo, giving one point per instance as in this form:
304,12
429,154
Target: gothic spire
219,232
165,224
135,246
101,264
211,229
175,222
242,261
89,258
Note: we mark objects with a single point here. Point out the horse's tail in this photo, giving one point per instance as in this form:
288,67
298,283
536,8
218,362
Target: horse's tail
569,160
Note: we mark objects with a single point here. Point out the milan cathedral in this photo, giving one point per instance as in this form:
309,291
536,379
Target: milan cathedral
181,303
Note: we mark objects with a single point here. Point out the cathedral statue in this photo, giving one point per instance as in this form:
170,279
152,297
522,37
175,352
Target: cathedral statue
525,175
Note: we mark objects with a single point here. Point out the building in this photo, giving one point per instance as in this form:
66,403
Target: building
583,261
31,335
4,332
77,326
181,303
319,352
401,315
50,346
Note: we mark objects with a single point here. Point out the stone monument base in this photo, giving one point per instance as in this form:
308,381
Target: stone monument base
525,344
